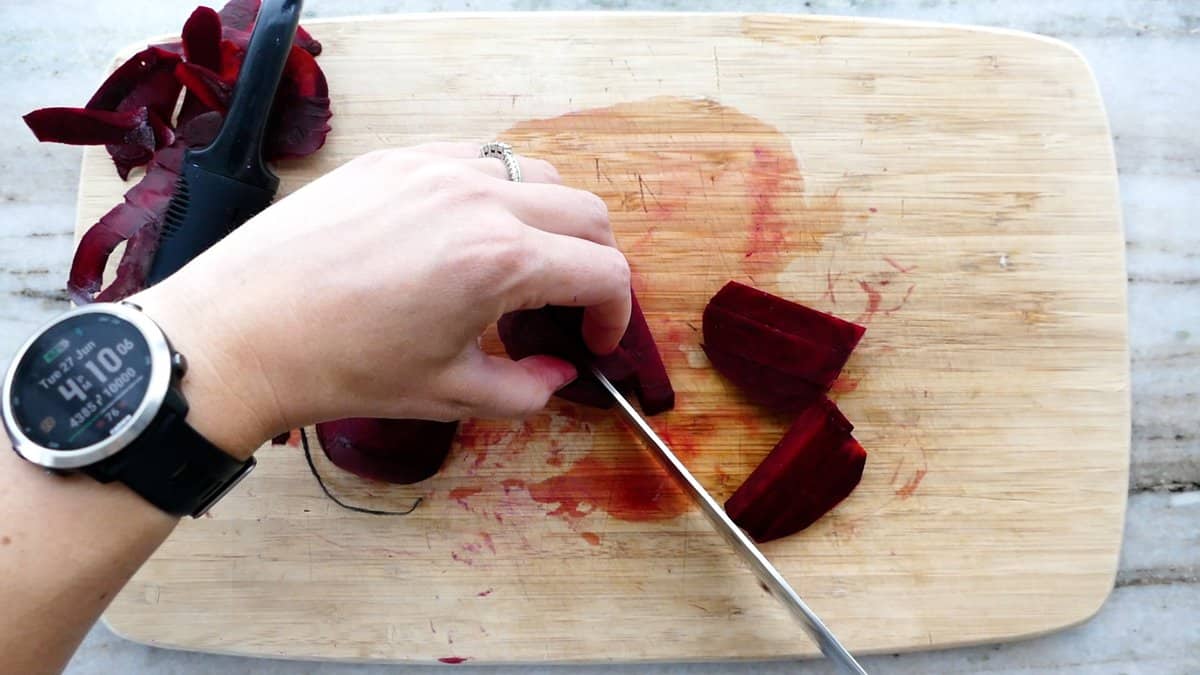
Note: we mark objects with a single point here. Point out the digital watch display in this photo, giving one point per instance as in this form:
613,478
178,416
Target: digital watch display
81,381
97,390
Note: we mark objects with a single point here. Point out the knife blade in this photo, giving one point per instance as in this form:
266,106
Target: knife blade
762,568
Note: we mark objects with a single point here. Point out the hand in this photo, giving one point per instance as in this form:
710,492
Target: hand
365,292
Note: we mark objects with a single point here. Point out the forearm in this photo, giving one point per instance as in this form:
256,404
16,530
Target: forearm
69,543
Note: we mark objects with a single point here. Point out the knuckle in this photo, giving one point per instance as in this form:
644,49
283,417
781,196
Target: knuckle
596,213
452,183
494,255
621,274
383,158
545,171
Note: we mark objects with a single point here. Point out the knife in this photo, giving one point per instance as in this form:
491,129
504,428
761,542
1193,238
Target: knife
762,568
227,182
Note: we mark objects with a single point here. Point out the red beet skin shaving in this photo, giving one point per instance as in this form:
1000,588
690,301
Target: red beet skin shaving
785,356
814,466
635,366
133,115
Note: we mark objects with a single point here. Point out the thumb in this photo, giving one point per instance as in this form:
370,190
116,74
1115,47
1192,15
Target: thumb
500,387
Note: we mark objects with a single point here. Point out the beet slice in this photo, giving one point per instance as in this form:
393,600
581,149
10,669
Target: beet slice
814,467
788,316
788,353
781,354
635,365
771,388
394,451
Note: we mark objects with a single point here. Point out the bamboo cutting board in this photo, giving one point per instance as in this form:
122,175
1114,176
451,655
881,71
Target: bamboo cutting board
953,189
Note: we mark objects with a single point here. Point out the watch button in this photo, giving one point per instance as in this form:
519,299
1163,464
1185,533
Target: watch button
179,364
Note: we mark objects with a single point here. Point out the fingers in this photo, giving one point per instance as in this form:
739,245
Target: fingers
498,387
558,209
532,170
576,273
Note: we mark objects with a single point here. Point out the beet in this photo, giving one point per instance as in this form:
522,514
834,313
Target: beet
771,388
394,451
814,466
788,316
781,354
635,365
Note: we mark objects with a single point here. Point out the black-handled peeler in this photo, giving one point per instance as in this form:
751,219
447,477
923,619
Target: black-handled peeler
227,182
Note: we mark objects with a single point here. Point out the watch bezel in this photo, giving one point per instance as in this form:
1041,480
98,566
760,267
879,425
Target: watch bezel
147,410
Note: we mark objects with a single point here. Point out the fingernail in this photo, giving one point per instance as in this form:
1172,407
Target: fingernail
568,375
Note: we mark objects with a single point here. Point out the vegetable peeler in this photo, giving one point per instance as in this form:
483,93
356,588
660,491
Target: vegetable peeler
227,182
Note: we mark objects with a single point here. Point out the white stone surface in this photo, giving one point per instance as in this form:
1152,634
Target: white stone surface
1146,55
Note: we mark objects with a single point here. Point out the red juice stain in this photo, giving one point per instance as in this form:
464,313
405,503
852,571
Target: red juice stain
766,181
510,484
454,660
631,488
466,561
899,268
484,594
697,167
487,541
591,538
845,384
460,495
905,491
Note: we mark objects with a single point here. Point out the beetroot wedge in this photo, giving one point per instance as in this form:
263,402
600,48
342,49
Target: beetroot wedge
788,316
636,364
781,354
814,466
394,451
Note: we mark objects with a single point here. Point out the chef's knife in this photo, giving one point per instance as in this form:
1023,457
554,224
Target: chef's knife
227,182
767,575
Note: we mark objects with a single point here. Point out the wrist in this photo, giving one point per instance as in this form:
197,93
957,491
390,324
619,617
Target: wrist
229,400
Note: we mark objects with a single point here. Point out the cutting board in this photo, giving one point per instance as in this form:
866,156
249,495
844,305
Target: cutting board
953,189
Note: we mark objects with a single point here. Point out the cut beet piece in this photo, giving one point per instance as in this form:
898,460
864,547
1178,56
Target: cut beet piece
786,352
394,451
635,365
781,354
813,467
772,388
788,316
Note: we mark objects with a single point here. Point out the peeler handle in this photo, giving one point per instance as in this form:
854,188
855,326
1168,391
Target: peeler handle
236,152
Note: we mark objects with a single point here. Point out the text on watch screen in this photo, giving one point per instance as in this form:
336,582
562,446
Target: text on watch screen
79,380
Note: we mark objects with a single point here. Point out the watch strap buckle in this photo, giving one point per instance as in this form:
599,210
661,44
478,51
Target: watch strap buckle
221,489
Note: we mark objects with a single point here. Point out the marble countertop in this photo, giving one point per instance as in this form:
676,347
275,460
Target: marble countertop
1146,56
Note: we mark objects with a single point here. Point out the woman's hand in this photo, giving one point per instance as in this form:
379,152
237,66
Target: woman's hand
365,292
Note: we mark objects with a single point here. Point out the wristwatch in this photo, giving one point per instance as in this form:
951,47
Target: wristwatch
97,391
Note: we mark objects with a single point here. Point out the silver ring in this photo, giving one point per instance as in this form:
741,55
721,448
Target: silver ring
504,153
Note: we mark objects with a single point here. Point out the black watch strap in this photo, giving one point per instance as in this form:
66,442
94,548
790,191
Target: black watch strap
174,468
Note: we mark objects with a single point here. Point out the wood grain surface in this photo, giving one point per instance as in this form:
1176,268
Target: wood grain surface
952,189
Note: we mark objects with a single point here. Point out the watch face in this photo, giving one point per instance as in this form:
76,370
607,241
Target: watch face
80,381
